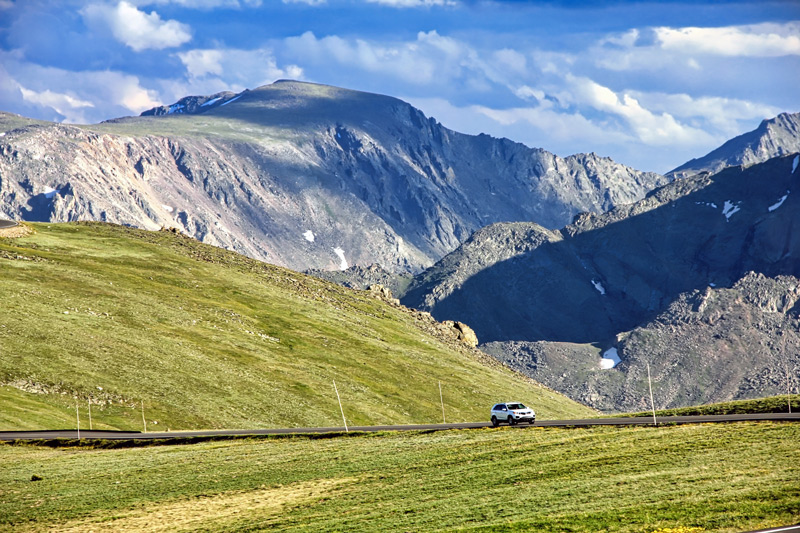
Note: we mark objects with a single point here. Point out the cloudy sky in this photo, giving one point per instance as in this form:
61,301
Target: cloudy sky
650,84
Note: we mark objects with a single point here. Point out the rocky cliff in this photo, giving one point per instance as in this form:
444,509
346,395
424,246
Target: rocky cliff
301,175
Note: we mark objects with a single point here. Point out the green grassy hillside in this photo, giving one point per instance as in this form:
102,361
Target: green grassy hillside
203,338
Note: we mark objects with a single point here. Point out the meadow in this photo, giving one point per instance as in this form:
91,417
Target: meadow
709,477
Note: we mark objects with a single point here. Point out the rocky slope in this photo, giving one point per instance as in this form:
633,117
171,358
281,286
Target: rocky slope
708,345
300,175
557,300
775,137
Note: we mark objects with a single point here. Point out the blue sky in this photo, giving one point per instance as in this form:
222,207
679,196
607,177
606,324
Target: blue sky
650,84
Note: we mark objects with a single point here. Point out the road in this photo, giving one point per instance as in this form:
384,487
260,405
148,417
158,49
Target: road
135,435
7,224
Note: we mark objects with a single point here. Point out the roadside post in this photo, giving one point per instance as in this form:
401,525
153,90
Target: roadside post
652,404
441,398
340,407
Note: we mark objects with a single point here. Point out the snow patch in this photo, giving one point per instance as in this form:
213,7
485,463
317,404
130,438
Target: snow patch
599,287
212,101
340,253
712,285
3,134
779,203
707,204
309,235
231,100
610,359
168,208
176,108
795,162
730,208
50,192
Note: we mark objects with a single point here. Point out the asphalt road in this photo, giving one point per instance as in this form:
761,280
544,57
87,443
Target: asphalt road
7,224
135,435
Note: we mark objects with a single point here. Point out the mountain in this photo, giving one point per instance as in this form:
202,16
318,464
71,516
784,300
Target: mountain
558,300
775,137
199,337
301,175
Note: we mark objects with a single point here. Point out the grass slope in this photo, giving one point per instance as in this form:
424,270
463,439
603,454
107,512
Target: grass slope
203,338
723,477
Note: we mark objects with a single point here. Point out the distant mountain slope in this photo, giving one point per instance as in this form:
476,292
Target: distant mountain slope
773,138
301,175
609,274
204,338
709,344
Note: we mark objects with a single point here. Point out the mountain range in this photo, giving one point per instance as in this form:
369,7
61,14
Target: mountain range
577,271
698,279
300,175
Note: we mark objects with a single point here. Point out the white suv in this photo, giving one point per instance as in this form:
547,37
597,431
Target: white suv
513,413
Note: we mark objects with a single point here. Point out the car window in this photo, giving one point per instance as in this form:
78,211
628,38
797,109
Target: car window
516,406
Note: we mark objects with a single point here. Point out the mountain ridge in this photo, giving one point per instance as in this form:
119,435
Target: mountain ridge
774,137
302,175
575,291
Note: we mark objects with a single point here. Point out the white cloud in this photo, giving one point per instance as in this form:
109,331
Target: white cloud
651,128
654,49
760,40
137,29
82,96
63,104
235,69
430,59
714,113
200,63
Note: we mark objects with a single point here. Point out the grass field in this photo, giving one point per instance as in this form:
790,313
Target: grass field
722,477
204,338
773,404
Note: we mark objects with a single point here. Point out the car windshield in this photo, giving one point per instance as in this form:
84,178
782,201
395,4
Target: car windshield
516,406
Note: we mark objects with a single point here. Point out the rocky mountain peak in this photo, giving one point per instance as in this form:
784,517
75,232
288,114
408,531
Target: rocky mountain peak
774,137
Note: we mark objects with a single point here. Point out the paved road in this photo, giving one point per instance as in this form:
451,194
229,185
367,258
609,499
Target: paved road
7,224
135,435
785,529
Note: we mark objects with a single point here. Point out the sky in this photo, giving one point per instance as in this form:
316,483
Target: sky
649,84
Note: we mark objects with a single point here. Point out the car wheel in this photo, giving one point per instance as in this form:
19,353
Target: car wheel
531,421
495,423
511,421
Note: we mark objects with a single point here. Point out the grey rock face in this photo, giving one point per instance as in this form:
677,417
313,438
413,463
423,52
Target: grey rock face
557,300
773,138
301,175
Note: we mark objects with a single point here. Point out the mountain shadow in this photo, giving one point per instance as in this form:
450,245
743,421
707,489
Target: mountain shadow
605,274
